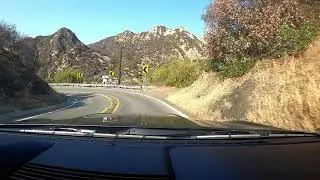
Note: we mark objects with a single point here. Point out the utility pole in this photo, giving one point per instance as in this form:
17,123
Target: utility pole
119,75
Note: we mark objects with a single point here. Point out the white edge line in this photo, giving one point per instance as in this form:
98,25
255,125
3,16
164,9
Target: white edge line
163,103
169,106
27,118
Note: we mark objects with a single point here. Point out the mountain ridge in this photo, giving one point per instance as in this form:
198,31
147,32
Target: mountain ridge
63,49
153,28
153,47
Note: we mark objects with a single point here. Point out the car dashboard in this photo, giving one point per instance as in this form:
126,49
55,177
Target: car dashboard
35,156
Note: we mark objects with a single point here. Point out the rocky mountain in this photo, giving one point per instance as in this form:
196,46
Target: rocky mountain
153,47
46,55
49,54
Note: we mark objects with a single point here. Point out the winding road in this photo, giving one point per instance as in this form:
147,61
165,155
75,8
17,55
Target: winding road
84,101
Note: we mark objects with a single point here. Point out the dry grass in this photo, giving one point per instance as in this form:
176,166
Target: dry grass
197,98
286,94
158,91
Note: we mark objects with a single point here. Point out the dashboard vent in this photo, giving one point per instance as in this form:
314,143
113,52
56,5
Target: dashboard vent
36,171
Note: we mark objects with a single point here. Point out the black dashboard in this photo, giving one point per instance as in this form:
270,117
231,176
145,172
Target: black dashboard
34,156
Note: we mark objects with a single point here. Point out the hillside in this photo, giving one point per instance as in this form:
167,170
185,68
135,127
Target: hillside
152,47
59,51
283,93
20,87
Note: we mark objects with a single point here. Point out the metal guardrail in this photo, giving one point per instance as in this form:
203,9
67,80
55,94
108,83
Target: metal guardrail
96,85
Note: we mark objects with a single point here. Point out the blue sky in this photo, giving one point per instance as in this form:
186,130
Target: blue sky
93,20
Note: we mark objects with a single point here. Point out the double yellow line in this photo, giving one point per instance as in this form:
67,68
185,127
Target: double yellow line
109,98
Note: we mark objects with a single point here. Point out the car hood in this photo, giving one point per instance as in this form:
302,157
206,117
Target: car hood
146,121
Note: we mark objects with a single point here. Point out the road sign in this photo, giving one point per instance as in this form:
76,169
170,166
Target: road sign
80,75
111,73
145,69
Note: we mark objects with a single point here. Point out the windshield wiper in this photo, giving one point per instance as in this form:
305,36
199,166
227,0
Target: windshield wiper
216,133
61,131
53,131
152,133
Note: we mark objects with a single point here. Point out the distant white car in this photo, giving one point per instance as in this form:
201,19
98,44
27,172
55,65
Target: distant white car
104,81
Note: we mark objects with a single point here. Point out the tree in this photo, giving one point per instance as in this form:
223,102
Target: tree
250,28
8,34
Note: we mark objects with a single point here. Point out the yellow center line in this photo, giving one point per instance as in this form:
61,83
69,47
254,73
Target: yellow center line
117,105
110,103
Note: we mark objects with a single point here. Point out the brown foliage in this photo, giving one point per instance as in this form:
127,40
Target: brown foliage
8,34
238,28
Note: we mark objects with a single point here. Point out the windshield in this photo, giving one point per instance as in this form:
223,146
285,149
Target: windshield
231,64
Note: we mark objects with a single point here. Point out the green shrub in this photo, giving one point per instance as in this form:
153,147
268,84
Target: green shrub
205,65
296,39
175,73
216,65
67,76
236,68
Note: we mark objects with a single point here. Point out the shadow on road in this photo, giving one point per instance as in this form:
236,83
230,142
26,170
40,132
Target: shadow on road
81,99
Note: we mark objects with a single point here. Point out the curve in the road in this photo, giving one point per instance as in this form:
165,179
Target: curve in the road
117,106
111,104
114,101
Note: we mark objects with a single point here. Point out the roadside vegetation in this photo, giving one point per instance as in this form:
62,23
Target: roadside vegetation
176,73
282,92
264,65
66,76
240,33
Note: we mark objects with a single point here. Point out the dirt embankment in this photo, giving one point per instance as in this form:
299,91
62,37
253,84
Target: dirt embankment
283,93
20,88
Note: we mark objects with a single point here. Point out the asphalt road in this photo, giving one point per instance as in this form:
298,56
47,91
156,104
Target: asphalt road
85,101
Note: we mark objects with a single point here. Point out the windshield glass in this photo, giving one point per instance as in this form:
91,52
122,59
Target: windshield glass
232,64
